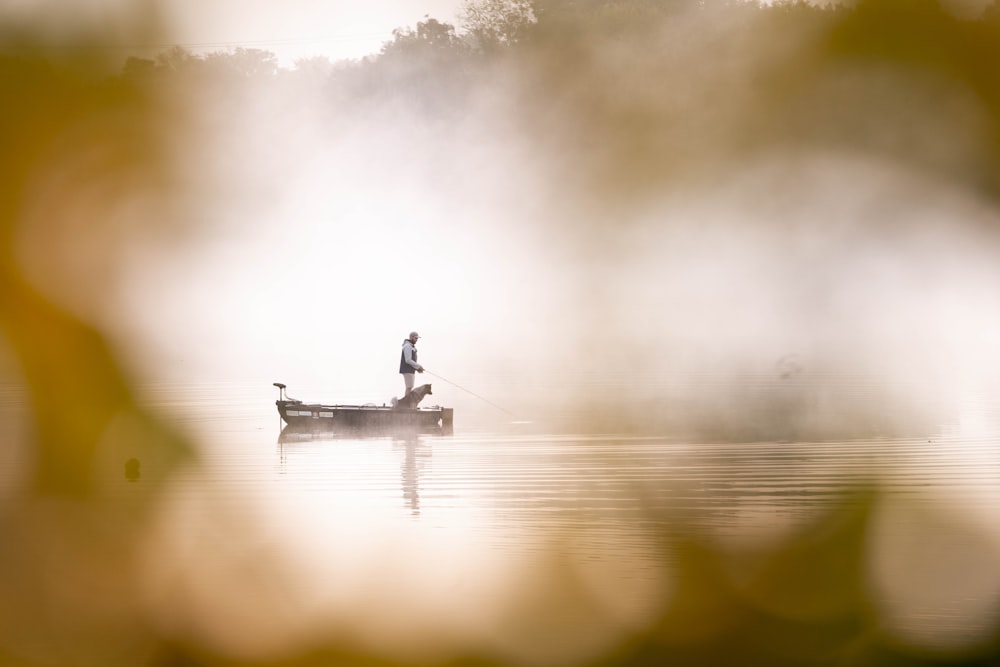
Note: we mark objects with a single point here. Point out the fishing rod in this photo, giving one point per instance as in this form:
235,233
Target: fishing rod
471,392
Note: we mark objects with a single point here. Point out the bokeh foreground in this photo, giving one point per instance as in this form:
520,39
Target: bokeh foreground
100,169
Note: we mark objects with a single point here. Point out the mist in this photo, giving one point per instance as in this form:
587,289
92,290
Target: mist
584,231
708,223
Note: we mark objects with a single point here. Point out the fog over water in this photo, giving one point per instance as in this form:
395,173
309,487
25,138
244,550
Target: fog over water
576,248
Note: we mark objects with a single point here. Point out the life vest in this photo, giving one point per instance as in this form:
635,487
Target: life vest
403,366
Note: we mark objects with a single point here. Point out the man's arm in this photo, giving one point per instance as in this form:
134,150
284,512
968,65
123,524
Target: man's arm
408,358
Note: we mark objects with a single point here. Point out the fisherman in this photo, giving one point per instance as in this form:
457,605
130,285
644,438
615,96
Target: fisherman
408,362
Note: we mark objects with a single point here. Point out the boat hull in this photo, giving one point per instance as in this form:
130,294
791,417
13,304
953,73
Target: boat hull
317,417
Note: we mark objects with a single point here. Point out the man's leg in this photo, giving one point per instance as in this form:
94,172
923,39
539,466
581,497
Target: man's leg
407,383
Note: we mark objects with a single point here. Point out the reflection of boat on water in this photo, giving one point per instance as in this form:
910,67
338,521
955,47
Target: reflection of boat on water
416,455
367,419
295,434
310,446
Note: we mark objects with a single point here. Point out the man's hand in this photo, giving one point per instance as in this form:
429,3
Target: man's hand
420,369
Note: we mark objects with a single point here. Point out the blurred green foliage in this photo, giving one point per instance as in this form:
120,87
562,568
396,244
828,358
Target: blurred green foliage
57,118
74,145
623,91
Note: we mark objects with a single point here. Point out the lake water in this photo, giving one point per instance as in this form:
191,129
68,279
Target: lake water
540,547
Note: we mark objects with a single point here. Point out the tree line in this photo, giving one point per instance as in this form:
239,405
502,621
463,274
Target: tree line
497,28
649,67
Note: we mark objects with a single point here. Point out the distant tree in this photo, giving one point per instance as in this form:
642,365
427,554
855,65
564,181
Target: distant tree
431,38
318,66
560,9
138,67
247,63
314,73
176,59
494,24
426,65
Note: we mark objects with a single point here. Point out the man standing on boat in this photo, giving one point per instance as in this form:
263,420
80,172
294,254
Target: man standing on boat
408,362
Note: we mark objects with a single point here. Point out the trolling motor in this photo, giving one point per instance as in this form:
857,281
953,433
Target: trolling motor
282,396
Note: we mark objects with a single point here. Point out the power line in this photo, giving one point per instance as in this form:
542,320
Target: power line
225,44
288,41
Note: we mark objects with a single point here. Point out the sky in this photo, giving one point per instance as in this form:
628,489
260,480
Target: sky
295,29
292,29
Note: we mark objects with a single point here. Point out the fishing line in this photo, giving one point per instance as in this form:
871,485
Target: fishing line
471,392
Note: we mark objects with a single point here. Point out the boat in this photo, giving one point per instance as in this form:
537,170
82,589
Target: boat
363,419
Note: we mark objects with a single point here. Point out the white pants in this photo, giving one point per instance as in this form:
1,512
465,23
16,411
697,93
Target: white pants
408,381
